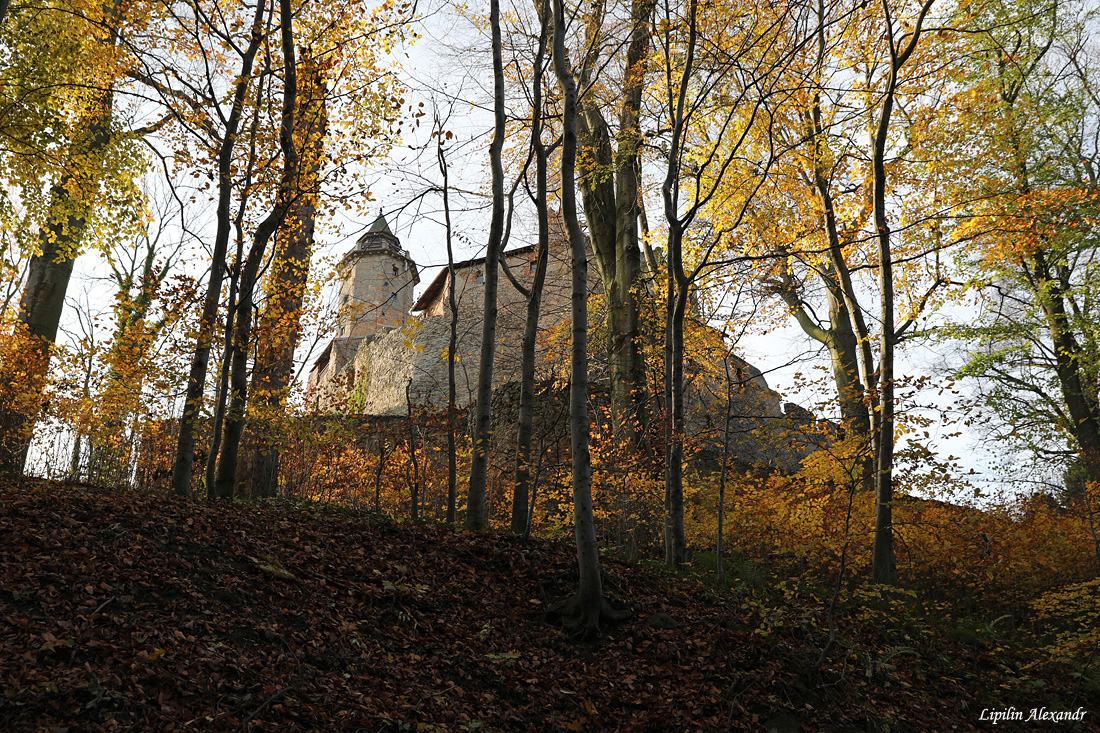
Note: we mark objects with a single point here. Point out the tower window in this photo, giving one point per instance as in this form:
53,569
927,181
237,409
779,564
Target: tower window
532,266
479,278
395,270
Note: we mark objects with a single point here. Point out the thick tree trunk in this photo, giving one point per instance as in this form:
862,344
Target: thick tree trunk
476,509
847,339
611,211
843,347
286,284
1081,399
47,282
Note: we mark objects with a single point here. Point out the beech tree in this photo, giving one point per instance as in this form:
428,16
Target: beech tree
584,610
522,493
280,321
1031,194
476,511
726,70
62,136
288,190
831,209
210,122
609,167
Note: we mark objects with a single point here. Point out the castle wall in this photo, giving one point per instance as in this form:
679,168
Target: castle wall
385,364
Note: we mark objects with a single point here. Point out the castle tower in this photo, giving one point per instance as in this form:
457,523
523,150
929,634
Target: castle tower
377,280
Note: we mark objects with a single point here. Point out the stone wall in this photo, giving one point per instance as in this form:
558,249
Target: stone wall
415,355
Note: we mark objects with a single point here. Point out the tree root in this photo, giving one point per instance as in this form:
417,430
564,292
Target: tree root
582,619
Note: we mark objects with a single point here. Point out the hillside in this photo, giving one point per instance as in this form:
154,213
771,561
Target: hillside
131,611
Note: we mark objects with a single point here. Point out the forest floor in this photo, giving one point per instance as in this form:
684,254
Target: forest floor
127,611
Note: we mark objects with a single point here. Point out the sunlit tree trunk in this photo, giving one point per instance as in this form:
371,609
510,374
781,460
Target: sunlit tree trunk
47,282
286,283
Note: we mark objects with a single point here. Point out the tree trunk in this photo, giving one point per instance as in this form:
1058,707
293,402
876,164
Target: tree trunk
676,308
196,378
47,282
288,191
883,564
521,495
286,283
452,344
476,514
410,446
1081,400
611,211
585,609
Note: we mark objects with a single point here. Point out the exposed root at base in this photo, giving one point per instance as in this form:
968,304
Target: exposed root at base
583,620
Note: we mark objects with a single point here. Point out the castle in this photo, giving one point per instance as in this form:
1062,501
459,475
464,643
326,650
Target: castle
390,348
389,352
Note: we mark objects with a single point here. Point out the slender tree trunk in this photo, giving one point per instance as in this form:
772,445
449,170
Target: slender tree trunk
287,192
521,495
378,474
585,609
883,564
676,299
196,378
720,544
221,385
476,510
110,446
452,344
410,443
676,307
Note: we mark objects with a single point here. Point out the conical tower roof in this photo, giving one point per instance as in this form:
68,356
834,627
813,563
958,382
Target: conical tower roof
380,226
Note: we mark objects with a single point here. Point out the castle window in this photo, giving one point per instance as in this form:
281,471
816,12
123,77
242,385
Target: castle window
479,278
532,267
395,270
